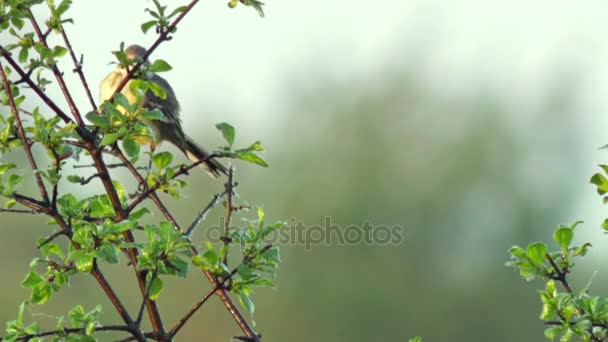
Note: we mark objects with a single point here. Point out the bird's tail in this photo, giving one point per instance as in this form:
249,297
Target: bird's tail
195,153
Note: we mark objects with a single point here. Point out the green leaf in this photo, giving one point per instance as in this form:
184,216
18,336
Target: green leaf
148,25
14,180
256,146
121,100
98,120
136,215
10,203
84,262
552,332
155,288
41,294
6,167
227,131
32,280
158,90
162,160
600,181
252,158
109,139
246,301
563,237
537,252
131,147
107,252
75,179
159,65
59,51
23,54
100,209
581,250
154,114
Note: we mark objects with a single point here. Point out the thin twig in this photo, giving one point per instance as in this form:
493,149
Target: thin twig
74,331
146,296
78,68
19,211
51,238
109,166
57,73
203,214
229,208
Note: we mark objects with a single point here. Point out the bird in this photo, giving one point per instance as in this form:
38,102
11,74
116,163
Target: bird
170,127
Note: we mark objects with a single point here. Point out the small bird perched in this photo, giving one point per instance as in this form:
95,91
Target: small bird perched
168,129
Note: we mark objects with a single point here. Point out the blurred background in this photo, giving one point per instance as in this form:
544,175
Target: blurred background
474,125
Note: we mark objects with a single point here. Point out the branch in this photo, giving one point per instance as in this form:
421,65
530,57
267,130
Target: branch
57,73
18,211
78,68
229,208
26,145
74,331
201,216
121,215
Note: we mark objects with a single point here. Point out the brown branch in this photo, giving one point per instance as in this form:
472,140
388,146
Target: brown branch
26,146
122,215
52,237
31,203
78,68
19,211
57,73
76,330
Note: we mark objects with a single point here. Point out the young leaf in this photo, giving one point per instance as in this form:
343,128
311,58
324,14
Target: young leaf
227,131
537,252
148,25
131,147
162,160
563,237
252,158
160,65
